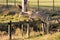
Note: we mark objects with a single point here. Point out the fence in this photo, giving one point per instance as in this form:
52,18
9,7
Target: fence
21,25
38,26
34,3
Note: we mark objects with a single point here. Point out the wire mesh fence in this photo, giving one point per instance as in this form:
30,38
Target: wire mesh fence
34,3
10,2
45,4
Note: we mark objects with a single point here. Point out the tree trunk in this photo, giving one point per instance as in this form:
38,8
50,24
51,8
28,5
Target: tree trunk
24,5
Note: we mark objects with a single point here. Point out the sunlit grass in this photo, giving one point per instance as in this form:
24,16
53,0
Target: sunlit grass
35,2
55,36
13,18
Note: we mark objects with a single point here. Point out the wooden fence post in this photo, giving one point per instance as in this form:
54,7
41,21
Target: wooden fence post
38,4
53,5
6,3
9,31
14,2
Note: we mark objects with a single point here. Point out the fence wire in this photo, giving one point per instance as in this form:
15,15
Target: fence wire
34,3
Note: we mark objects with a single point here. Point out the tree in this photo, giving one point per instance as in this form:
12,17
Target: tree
24,5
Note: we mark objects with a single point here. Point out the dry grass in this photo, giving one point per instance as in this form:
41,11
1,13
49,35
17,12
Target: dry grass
34,2
55,36
17,36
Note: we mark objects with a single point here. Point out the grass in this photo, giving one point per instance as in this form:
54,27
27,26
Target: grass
34,2
55,36
13,18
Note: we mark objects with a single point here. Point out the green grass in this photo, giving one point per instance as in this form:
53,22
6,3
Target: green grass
14,18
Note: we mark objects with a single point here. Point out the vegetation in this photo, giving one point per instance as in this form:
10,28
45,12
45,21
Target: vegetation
6,17
14,18
55,36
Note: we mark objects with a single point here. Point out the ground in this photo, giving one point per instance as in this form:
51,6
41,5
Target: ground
55,36
7,15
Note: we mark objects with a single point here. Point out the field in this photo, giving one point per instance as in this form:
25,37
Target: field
35,2
12,14
55,36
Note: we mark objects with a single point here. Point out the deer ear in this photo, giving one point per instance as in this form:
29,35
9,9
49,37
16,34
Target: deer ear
19,6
